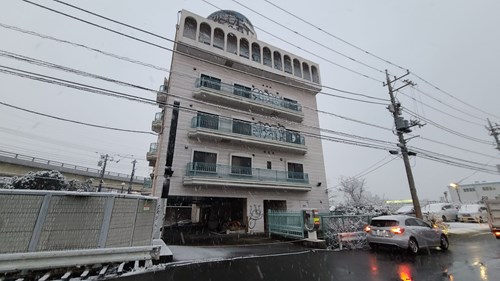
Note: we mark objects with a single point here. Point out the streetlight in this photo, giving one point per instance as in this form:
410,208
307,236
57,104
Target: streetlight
455,186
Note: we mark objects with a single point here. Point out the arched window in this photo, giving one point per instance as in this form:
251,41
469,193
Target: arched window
219,38
256,52
296,68
288,64
267,57
305,69
315,74
190,26
232,43
277,61
244,48
205,33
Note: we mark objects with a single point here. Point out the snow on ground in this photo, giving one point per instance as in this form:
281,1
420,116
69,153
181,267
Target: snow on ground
461,227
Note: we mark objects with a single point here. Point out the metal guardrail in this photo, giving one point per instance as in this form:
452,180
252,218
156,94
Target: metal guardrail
286,223
254,95
63,165
246,173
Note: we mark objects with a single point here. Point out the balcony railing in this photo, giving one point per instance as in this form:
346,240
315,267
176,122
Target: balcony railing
254,95
161,96
209,170
258,130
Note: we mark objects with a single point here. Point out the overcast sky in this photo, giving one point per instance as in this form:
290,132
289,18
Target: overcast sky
453,44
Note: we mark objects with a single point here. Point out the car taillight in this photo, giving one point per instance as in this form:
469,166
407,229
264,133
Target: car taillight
397,230
497,233
368,228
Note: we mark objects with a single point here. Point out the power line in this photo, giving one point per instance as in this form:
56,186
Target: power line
77,122
376,168
170,40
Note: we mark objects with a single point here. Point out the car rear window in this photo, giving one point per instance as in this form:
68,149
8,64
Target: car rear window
384,223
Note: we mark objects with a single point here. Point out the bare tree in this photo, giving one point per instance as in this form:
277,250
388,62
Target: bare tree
354,190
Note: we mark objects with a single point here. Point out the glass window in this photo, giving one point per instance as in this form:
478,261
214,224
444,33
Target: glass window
277,61
207,120
219,38
210,82
305,70
242,91
256,52
205,161
267,57
295,171
244,48
296,68
242,127
190,26
205,33
315,74
288,64
241,165
384,223
269,165
232,43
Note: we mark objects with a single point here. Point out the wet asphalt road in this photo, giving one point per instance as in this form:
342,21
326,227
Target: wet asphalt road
470,257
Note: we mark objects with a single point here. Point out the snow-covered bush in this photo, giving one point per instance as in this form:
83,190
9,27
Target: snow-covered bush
48,180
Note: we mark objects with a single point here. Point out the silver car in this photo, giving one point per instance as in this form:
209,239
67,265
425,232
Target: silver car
404,232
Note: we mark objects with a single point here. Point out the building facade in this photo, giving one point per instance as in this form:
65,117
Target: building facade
473,193
248,138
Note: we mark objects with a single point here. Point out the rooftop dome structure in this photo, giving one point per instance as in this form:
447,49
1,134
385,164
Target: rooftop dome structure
233,20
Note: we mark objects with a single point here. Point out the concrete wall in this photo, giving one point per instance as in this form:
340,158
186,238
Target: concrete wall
32,221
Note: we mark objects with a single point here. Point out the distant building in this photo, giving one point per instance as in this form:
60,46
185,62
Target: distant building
471,193
248,137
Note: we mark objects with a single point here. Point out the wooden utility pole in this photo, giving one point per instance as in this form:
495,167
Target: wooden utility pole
494,131
402,127
105,157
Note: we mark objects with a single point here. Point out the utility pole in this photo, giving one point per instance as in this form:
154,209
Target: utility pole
494,131
403,126
105,159
131,176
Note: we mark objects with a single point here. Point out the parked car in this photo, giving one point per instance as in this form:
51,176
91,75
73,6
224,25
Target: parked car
406,210
438,211
404,232
473,213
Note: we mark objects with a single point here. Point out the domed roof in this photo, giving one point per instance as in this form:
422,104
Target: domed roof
233,20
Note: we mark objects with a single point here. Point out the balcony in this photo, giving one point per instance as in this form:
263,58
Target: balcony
161,96
151,156
247,99
212,127
157,124
224,175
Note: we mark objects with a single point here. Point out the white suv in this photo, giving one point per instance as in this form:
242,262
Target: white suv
441,211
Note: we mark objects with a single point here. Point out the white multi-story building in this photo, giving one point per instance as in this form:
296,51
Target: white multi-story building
474,192
248,137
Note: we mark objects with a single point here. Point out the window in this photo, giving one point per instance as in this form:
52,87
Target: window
241,165
190,26
296,68
384,223
277,61
256,52
288,64
207,120
269,165
205,33
469,189
488,188
219,38
267,57
242,91
244,48
295,171
305,69
315,74
210,82
232,43
204,161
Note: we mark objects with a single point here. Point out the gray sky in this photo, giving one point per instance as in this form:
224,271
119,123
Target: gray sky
450,43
